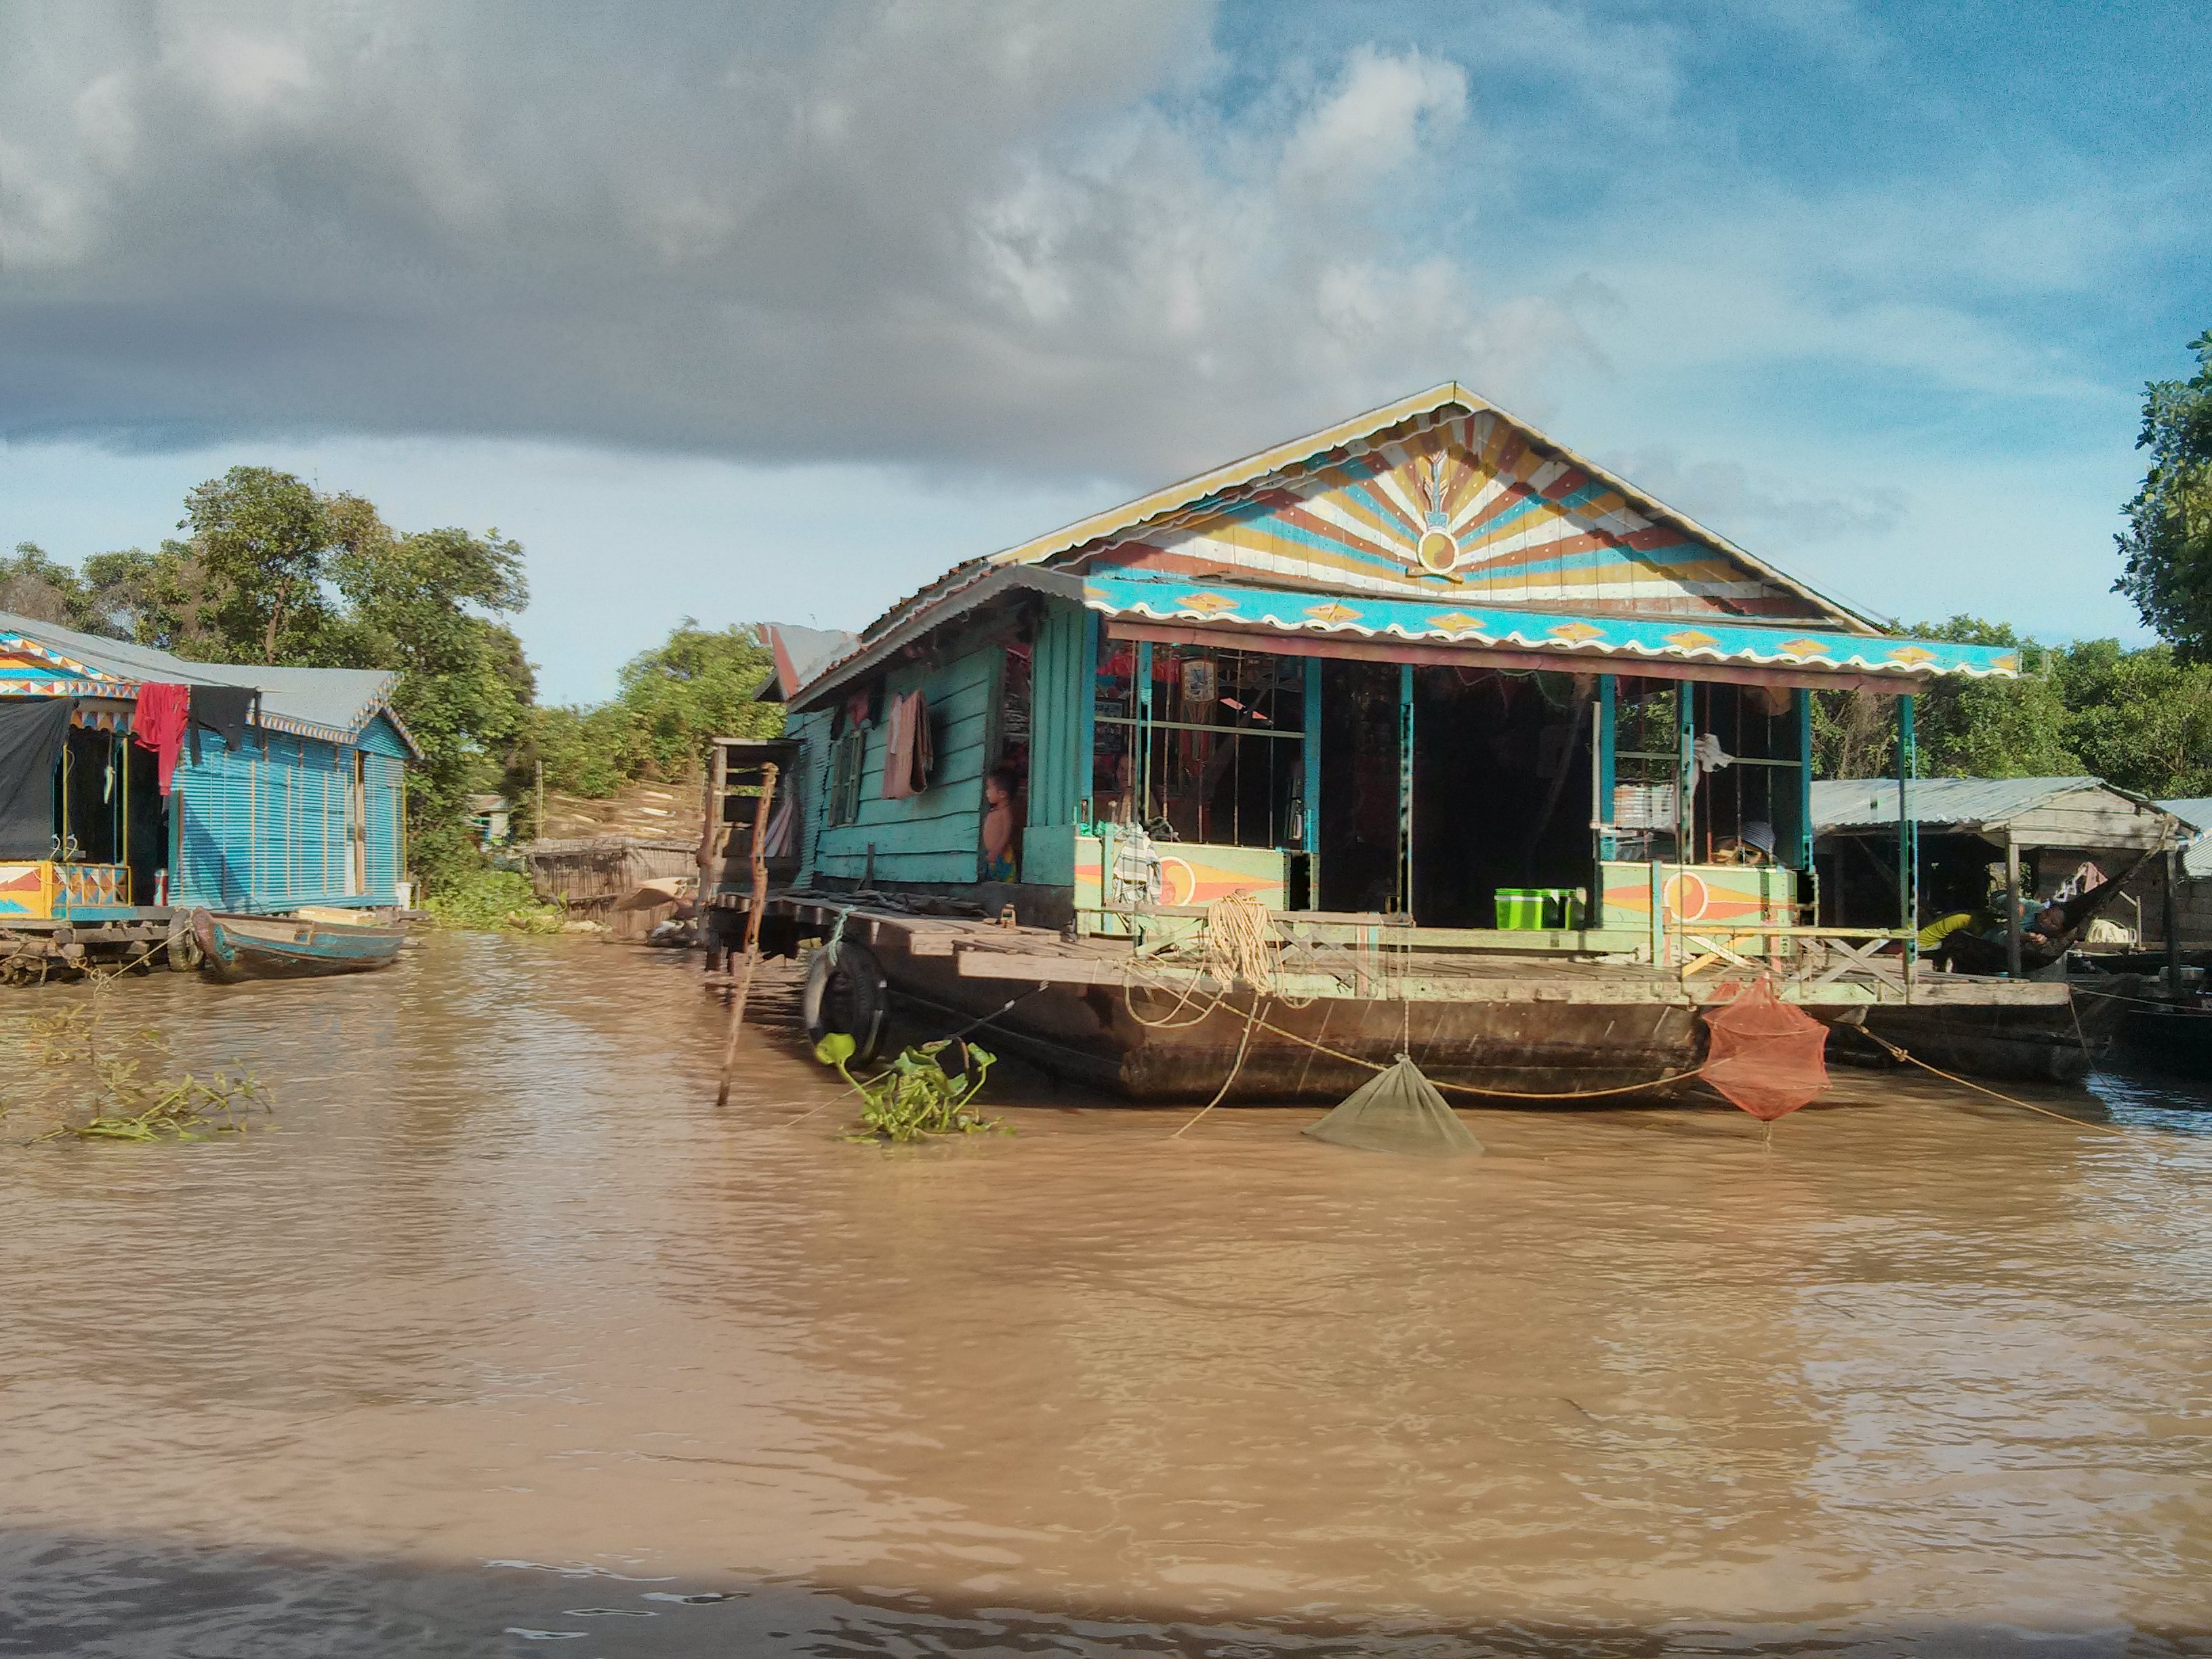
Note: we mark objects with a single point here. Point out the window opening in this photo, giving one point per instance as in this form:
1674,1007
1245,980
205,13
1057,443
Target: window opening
1201,743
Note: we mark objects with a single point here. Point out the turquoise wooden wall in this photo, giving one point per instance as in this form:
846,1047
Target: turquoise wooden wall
937,836
812,782
1060,744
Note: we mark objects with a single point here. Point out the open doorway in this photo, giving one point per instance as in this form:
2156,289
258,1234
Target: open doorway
1359,841
1501,789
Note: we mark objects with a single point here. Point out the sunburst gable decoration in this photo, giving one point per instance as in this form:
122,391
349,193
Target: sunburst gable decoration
1471,499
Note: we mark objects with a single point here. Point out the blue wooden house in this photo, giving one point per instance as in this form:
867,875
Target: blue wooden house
307,808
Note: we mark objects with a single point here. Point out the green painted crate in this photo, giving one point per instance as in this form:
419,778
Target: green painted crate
1539,910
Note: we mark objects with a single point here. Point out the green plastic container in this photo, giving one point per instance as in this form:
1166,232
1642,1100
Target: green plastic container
1521,908
1539,910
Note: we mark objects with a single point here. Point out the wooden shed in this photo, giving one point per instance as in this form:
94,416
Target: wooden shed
2032,834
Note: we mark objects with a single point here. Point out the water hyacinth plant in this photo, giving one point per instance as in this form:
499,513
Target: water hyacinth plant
914,1097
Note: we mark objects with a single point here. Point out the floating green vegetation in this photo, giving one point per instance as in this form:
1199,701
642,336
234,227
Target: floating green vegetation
92,1075
914,1097
496,901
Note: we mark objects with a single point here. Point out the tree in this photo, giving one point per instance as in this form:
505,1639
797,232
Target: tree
696,686
426,604
251,574
2168,542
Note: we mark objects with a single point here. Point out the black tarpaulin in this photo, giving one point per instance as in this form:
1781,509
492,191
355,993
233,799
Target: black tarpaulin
31,738
221,710
1400,1111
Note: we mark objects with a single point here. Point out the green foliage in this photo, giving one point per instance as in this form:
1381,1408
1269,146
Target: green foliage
492,900
2167,545
697,685
2141,719
914,1097
103,599
252,573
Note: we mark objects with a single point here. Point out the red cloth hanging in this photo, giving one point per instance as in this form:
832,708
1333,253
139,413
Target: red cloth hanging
163,714
1765,1055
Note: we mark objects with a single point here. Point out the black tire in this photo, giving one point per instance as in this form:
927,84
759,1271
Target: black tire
846,991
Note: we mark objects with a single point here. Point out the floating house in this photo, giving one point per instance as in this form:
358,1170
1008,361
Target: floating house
301,801
1516,758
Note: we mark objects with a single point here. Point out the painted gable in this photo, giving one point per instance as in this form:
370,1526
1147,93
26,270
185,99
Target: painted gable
31,669
1470,506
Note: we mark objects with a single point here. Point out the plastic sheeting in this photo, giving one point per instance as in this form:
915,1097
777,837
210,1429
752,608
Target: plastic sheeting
31,738
1400,1111
1765,1055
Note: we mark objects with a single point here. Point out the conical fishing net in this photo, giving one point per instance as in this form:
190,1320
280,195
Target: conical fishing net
1765,1054
1398,1111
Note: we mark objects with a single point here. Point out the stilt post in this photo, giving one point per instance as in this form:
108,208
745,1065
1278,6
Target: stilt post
2012,905
1908,837
753,928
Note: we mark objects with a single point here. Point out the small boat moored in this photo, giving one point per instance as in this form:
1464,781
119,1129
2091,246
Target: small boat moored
233,948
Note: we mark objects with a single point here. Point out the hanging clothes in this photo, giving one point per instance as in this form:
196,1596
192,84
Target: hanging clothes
31,738
164,712
223,710
906,747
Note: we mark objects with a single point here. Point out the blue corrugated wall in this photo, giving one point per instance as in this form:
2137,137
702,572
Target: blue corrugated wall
268,832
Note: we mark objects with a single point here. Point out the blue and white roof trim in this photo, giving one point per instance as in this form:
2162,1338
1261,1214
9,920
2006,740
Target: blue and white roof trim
1619,642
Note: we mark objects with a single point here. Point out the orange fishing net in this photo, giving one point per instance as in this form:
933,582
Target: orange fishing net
1763,1053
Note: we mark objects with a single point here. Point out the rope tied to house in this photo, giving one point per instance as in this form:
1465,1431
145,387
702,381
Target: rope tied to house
1897,1053
1239,941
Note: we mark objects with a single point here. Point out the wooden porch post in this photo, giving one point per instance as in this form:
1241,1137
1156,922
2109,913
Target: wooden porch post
1405,788
1803,699
2012,905
1310,753
1603,757
1086,726
1140,774
1908,833
1686,773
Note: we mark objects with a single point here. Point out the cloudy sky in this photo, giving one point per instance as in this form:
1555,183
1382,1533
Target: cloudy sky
776,312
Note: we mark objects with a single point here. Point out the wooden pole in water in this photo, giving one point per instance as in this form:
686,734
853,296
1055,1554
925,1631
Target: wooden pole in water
753,928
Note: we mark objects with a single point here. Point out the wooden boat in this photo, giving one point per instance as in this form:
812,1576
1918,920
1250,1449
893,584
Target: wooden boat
235,947
2177,1037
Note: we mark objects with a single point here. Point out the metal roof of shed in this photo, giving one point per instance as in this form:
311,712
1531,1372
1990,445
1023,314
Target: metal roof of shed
2196,811
1975,805
331,703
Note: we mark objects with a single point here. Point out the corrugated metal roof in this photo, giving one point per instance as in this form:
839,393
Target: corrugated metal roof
1871,803
2196,811
329,702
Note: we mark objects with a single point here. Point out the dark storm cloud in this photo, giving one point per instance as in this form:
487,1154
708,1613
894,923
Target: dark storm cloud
999,234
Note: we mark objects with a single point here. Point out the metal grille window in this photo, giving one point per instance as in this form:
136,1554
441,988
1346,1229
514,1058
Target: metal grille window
1202,744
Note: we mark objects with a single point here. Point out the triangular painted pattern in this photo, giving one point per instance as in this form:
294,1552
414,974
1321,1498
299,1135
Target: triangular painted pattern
1470,508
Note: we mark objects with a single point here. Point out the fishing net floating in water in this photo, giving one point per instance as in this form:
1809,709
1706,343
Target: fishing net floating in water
1398,1111
1765,1055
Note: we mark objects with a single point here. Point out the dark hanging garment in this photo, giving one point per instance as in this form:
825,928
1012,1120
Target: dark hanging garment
223,710
31,738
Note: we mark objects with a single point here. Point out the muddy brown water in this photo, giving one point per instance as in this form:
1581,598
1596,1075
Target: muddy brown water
500,1334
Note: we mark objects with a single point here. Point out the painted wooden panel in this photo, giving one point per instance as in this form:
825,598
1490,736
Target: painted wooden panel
1060,759
1191,873
47,890
1470,508
937,836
